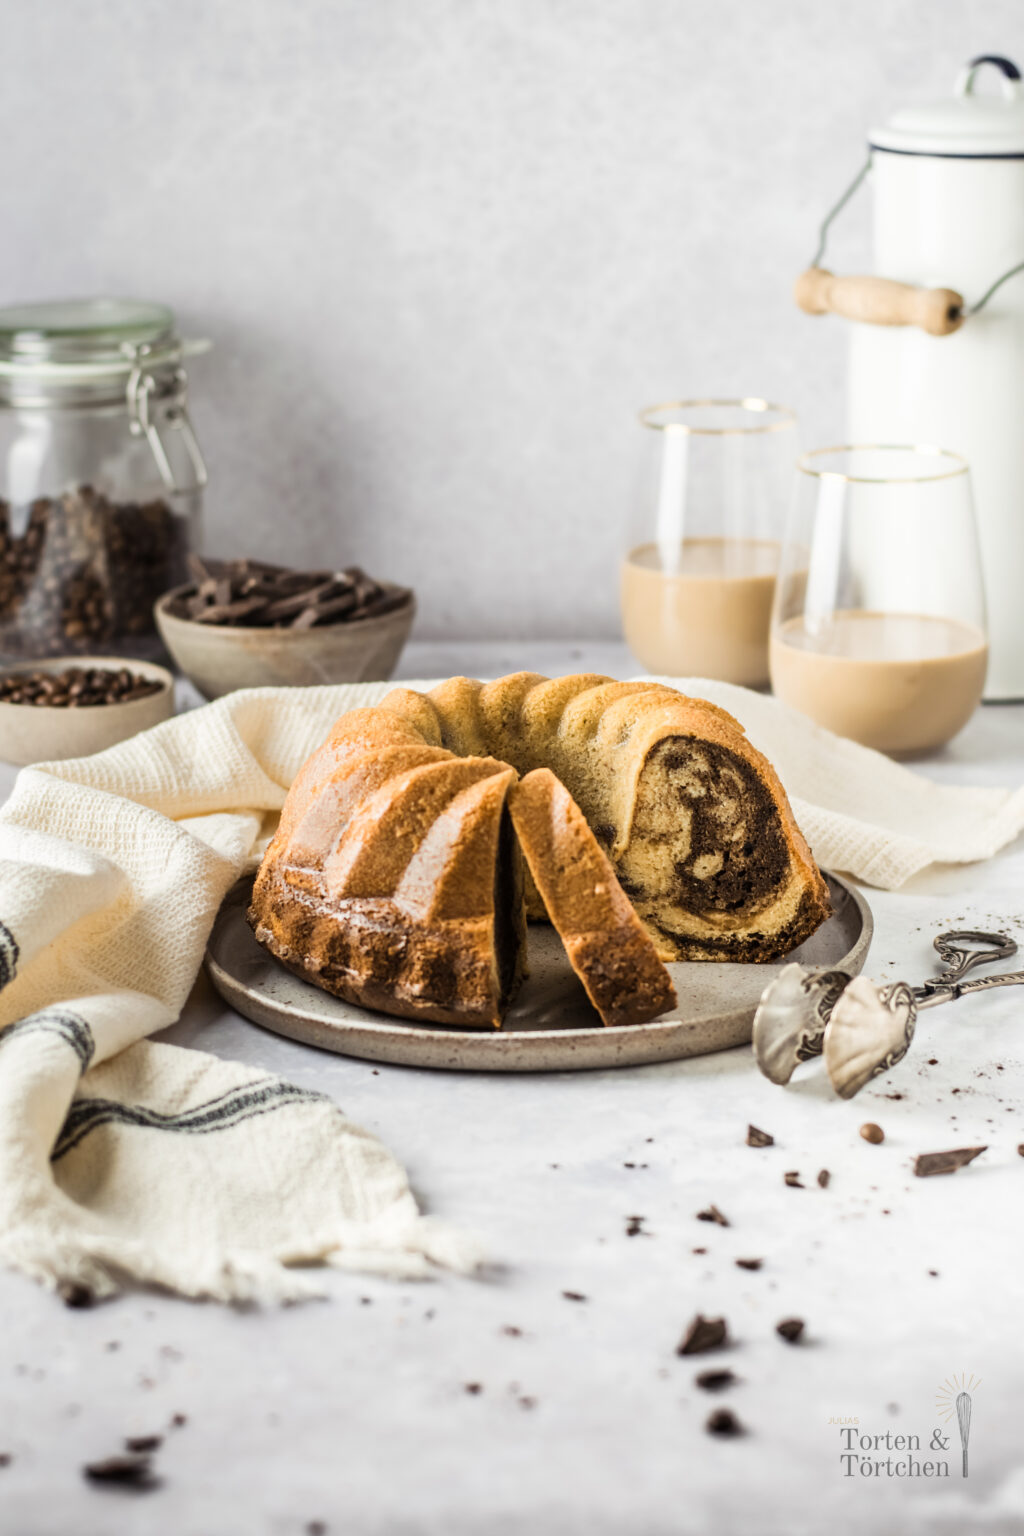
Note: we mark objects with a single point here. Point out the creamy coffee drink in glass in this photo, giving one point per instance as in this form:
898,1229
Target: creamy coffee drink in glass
698,579
878,630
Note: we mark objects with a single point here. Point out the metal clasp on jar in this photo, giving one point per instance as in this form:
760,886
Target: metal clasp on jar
157,395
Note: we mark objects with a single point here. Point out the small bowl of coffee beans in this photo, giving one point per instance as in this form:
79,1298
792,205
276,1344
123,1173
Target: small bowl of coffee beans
72,706
246,624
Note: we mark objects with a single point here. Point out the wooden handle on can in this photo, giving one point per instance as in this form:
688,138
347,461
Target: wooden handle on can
879,301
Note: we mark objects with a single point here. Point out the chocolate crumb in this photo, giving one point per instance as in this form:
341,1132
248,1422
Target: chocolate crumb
895,1095
130,1471
933,1272
723,1422
928,1163
527,1402
316,1528
142,1443
74,1295
178,1420
749,1263
704,1333
873,1133
790,1329
713,1214
474,1388
758,1138
512,1332
824,1178
715,1381
792,1179
698,1250
635,1226
933,1061
574,1296
1020,1150
5,1458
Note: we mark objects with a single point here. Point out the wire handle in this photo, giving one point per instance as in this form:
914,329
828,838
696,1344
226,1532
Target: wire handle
878,300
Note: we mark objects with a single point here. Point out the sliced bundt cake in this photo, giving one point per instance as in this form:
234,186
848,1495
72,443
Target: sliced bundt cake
395,877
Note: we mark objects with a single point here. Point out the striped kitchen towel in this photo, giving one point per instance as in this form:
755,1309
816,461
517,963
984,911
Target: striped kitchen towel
123,1158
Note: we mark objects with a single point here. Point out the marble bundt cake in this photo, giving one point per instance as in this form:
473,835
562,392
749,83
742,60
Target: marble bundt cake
394,876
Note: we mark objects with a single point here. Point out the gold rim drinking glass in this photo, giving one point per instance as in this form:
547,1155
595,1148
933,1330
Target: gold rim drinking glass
705,537
878,627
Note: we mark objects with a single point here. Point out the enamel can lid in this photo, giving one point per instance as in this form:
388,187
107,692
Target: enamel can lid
967,124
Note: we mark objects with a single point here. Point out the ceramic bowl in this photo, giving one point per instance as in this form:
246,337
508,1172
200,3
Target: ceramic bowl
38,733
220,658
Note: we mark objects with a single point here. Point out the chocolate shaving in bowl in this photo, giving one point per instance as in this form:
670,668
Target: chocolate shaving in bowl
759,1138
249,594
792,1179
824,1178
749,1263
704,1333
713,1214
928,1163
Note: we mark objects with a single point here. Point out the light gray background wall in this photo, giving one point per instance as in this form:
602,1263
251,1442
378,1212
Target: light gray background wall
447,247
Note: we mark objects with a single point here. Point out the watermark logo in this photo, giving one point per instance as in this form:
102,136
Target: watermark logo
956,1396
861,1447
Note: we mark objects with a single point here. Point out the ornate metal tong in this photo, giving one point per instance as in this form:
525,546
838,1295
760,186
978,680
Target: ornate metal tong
863,1030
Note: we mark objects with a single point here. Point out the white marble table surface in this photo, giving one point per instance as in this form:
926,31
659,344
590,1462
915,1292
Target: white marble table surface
355,1411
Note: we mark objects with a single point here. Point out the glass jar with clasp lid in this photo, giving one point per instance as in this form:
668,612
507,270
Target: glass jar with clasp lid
101,475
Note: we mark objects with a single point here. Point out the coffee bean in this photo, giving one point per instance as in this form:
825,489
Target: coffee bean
84,571
74,689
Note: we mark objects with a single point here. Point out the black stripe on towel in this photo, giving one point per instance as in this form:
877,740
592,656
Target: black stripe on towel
58,1021
9,953
218,1114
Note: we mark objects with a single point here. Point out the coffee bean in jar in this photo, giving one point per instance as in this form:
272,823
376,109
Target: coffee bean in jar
81,572
100,476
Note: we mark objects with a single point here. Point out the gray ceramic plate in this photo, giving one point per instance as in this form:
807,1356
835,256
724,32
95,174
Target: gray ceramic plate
551,1028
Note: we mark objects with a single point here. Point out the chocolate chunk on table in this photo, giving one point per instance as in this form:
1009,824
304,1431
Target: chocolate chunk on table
926,1164
703,1333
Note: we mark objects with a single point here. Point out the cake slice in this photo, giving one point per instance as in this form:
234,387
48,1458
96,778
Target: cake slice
603,937
401,890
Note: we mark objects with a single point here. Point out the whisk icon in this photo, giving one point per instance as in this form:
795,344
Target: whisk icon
955,1396
963,1414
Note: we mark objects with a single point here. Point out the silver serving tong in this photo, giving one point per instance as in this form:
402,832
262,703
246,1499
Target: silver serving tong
861,1029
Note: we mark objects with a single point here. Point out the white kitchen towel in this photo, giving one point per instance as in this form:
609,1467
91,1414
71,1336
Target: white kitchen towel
123,1158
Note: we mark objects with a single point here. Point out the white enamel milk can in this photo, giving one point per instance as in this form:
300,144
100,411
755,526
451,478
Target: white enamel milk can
937,344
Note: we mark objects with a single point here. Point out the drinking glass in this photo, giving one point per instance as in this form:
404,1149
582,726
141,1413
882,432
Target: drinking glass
878,627
698,579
